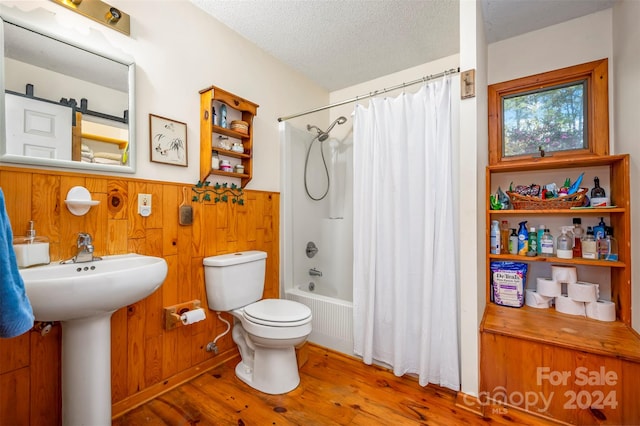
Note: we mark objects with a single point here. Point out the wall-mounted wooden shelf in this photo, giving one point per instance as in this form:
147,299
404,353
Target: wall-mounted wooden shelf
247,110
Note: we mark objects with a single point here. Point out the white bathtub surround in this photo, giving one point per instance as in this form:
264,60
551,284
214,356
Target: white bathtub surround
405,301
327,223
332,323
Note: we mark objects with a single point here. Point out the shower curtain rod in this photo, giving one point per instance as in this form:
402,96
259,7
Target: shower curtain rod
374,93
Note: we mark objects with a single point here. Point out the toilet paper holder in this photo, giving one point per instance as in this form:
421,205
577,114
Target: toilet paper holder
172,313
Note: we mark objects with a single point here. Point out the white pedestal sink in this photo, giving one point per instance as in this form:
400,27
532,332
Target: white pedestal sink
83,296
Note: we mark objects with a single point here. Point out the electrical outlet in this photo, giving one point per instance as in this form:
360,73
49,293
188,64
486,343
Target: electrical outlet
144,204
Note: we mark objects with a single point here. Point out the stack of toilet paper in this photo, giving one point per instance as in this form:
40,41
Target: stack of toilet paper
581,298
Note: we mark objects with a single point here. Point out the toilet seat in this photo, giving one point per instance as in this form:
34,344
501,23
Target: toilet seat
277,313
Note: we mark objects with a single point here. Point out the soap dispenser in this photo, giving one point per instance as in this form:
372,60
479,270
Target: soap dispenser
31,250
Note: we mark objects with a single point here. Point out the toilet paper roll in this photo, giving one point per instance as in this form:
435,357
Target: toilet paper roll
564,274
536,300
601,310
193,316
566,305
548,287
583,292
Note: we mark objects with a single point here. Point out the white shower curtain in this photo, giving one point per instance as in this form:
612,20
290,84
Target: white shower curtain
405,282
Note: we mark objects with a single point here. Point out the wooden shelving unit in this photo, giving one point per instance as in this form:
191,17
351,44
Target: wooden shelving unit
516,342
208,129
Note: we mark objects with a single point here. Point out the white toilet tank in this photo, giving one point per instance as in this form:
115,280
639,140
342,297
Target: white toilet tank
234,280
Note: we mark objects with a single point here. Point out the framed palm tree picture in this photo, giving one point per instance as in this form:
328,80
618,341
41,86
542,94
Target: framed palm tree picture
168,139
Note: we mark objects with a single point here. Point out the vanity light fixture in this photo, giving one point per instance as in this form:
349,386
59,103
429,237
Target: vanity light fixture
101,12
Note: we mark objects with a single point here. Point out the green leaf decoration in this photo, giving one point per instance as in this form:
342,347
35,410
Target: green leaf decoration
222,192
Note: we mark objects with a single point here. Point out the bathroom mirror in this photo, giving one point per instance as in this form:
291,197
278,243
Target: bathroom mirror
64,105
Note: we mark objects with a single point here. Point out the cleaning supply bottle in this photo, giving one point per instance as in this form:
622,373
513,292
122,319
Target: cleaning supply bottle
541,229
578,233
495,237
608,246
504,237
564,245
546,243
513,241
533,242
599,231
589,248
523,239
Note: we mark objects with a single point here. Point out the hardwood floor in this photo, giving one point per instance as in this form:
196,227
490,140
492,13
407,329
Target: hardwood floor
335,390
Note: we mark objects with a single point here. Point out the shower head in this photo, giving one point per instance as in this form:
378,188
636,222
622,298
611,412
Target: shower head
323,136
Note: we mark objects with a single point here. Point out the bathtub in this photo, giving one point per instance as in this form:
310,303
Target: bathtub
332,323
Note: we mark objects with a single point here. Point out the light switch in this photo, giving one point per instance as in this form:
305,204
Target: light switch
144,204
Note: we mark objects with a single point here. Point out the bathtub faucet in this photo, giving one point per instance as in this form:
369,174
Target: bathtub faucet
314,272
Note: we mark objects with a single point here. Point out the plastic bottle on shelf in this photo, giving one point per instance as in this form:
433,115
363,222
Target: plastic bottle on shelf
523,239
223,115
546,243
541,229
564,245
513,241
589,248
599,231
495,237
533,242
608,246
504,237
578,232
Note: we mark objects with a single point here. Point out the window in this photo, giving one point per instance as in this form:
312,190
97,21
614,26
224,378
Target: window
556,114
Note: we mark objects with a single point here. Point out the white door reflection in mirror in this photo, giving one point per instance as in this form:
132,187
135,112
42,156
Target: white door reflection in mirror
92,89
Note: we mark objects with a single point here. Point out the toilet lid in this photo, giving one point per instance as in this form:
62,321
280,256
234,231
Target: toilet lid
278,312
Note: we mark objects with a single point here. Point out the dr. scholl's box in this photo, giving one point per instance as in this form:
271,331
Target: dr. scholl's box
508,282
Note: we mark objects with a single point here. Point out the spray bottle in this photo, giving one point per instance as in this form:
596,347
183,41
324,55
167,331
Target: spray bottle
523,239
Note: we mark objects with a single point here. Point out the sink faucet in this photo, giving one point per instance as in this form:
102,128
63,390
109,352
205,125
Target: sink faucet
314,272
85,249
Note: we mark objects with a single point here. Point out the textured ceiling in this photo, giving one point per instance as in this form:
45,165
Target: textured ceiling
340,43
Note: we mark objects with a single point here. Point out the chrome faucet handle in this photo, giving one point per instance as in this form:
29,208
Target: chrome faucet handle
84,240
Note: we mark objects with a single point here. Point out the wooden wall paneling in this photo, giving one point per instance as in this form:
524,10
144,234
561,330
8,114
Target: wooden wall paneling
221,224
135,347
154,315
97,224
197,230
209,229
15,398
170,337
45,372
116,239
144,355
152,360
46,212
268,218
17,187
14,353
591,404
97,184
135,221
119,364
183,354
153,242
252,218
628,399
117,198
70,225
158,205
232,228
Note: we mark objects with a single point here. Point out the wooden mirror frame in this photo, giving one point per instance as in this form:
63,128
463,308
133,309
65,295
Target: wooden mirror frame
597,82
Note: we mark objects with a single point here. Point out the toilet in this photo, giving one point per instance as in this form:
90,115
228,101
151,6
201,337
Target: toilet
266,331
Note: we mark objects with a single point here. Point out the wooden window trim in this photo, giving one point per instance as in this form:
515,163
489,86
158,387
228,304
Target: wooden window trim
596,74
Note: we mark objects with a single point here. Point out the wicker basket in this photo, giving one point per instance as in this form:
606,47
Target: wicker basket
527,202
